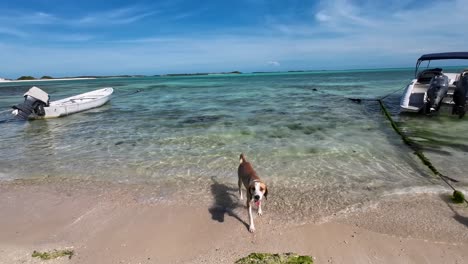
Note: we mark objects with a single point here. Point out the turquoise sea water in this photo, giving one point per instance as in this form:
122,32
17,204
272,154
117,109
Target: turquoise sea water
316,148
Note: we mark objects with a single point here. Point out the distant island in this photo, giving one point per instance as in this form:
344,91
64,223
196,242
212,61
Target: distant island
76,77
50,78
294,71
198,73
26,78
257,72
23,78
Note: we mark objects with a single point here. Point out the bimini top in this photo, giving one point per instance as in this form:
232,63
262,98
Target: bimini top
441,56
444,56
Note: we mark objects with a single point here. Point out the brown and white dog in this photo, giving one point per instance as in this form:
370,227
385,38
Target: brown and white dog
256,188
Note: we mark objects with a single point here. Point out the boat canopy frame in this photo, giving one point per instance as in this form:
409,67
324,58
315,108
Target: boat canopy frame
440,56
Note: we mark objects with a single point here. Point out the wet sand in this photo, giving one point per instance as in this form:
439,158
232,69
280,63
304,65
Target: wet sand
110,223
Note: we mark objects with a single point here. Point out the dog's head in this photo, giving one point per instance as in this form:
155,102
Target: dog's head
258,190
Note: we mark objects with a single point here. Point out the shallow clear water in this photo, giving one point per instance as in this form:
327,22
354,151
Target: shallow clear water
314,147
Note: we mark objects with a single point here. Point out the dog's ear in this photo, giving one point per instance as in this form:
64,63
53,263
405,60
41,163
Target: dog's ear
266,193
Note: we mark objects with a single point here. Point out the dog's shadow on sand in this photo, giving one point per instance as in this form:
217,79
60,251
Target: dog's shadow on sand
458,217
225,202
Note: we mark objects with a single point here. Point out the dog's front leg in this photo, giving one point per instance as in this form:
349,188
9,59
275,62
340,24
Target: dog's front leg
259,211
251,226
240,189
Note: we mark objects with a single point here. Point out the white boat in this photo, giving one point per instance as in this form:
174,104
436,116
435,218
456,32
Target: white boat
432,88
37,106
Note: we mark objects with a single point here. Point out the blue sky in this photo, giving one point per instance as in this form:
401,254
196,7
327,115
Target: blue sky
69,38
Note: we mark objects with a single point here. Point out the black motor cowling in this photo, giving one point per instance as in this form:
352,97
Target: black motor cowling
459,95
438,88
34,102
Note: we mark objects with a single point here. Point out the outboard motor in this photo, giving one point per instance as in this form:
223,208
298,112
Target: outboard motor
34,101
438,88
459,95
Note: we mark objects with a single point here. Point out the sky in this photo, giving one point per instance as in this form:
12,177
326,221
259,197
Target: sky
71,38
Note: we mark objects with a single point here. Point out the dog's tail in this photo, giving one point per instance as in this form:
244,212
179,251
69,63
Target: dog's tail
242,158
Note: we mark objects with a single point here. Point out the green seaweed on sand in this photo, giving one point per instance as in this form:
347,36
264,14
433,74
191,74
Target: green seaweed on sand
295,126
290,258
458,197
246,132
53,254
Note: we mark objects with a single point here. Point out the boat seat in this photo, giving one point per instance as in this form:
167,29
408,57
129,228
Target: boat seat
425,76
416,100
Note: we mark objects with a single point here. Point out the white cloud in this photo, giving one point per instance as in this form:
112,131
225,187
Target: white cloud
35,18
13,32
274,63
14,20
118,16
343,35
215,53
36,25
374,17
338,13
73,37
322,16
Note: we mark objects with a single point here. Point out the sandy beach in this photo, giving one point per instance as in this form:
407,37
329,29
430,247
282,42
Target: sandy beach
111,223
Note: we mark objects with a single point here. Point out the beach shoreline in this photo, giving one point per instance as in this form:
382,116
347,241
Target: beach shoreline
45,80
110,223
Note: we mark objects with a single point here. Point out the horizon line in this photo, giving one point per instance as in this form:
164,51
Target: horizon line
235,72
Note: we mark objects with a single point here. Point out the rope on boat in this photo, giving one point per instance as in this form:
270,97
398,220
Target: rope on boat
358,100
382,98
417,151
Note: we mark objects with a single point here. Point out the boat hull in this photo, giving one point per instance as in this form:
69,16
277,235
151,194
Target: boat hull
414,97
77,103
407,103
